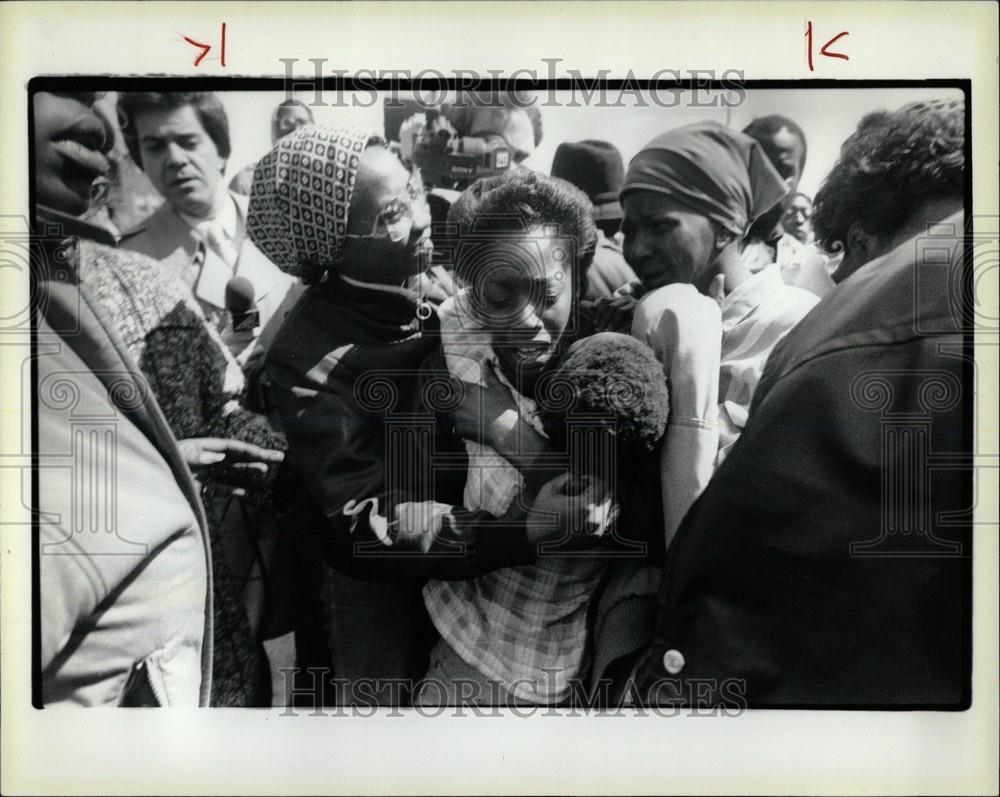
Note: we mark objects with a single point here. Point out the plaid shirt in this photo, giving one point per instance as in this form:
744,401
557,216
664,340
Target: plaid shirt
523,626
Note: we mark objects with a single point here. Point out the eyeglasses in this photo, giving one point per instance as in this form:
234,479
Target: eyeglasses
395,220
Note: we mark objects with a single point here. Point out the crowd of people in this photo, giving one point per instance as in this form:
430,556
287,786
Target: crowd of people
596,436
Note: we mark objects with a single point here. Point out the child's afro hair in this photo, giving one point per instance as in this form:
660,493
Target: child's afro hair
611,380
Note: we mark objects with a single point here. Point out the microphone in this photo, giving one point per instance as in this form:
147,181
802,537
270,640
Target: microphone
240,303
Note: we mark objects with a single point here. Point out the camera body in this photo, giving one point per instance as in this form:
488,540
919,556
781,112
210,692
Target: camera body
448,160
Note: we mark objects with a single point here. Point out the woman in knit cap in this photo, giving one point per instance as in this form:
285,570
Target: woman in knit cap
336,208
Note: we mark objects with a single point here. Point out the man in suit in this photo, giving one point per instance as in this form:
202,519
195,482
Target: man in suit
181,141
828,562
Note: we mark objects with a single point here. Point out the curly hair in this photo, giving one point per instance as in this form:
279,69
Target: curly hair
611,380
516,201
207,106
610,389
892,162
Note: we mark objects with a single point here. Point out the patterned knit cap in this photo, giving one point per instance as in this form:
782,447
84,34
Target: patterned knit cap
301,194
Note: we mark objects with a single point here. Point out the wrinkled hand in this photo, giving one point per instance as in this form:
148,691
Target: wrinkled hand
611,313
578,511
206,455
434,285
237,340
717,288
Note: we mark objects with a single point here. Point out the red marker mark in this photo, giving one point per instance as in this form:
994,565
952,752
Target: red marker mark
825,49
206,48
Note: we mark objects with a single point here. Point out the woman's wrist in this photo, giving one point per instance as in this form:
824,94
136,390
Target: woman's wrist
693,422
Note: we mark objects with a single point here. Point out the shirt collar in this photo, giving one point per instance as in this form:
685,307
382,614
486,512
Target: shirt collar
527,407
749,295
228,217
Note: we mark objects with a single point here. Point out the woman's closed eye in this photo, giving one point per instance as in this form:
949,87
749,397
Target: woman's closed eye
392,212
498,295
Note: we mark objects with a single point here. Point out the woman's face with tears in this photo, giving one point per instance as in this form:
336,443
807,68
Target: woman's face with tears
665,242
523,294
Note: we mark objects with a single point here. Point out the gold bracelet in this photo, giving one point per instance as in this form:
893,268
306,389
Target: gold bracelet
697,423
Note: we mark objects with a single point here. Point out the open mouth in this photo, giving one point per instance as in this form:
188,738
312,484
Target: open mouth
183,182
654,275
532,352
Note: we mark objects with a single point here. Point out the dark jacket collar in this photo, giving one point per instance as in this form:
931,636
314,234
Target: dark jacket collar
390,309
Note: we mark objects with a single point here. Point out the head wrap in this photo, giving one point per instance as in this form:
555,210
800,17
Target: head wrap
301,194
711,169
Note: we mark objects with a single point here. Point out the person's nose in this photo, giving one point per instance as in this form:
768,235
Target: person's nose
175,155
636,249
421,220
529,322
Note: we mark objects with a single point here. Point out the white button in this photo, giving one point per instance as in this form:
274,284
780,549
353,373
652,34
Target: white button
673,661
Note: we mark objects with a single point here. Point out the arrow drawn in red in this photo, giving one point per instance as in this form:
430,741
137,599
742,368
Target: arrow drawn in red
206,48
824,48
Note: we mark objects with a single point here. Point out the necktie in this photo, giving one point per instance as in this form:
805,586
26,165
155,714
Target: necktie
219,242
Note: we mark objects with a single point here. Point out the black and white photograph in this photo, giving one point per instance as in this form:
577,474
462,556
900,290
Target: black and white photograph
476,395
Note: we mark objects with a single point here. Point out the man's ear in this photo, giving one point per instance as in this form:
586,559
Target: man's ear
860,244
